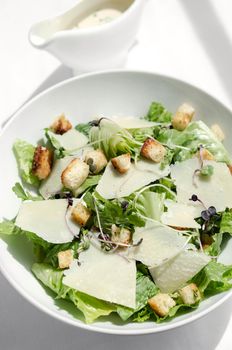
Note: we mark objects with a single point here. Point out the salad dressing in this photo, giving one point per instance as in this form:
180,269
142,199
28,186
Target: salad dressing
97,18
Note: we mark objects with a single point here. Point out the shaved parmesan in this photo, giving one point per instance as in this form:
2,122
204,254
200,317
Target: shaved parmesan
103,275
215,190
180,215
115,185
70,140
53,184
133,122
176,272
48,219
159,243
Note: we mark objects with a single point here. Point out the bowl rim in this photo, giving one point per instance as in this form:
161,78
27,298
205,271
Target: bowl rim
92,327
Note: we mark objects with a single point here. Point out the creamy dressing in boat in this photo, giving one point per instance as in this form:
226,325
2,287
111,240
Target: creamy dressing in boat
98,18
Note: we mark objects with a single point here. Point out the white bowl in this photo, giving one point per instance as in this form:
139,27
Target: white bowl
83,98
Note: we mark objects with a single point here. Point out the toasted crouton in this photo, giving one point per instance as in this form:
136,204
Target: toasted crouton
42,162
120,235
216,129
206,155
81,214
230,168
65,258
190,294
96,161
161,303
122,163
61,125
75,174
183,117
153,150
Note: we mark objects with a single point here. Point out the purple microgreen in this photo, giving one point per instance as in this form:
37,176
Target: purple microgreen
70,202
205,215
212,210
195,198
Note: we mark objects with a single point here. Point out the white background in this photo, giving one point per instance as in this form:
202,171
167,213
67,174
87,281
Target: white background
187,39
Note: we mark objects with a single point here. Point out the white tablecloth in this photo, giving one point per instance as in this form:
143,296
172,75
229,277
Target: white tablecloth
187,39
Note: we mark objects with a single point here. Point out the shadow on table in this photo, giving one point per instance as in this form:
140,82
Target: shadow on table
58,75
213,36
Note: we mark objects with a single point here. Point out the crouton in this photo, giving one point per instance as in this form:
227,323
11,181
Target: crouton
122,163
42,162
205,154
75,174
230,168
161,303
190,294
153,150
120,235
183,117
96,161
81,214
216,129
65,258
61,125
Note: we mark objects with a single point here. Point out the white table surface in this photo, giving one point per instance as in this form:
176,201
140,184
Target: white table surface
187,39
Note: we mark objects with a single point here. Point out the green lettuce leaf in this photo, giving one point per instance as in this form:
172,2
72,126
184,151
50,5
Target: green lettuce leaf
158,113
91,307
196,134
89,183
51,254
151,204
24,195
214,278
113,212
145,289
53,140
226,222
8,227
24,153
84,128
112,139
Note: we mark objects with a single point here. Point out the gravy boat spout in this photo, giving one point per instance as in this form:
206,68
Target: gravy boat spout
92,35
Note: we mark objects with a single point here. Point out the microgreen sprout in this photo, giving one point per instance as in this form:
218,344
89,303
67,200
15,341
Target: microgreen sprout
195,198
206,214
204,170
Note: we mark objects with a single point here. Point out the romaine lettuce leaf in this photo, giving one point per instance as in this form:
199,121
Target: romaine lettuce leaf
8,227
151,204
197,133
145,289
112,139
24,153
24,195
90,182
91,307
226,222
111,212
158,113
214,278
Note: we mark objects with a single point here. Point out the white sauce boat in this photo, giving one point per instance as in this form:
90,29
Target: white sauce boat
82,41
